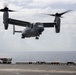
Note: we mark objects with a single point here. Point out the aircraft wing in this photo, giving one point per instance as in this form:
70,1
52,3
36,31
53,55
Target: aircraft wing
18,22
48,24
25,23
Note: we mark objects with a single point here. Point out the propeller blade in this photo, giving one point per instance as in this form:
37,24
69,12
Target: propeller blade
50,14
2,10
6,8
59,14
11,10
64,12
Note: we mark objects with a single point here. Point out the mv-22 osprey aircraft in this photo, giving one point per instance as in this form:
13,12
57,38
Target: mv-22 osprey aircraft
32,29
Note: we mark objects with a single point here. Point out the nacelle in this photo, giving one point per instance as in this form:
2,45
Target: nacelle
5,19
57,25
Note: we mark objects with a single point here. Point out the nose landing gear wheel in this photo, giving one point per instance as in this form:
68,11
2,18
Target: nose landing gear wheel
37,37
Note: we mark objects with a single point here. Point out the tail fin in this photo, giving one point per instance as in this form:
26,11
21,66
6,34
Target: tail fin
15,30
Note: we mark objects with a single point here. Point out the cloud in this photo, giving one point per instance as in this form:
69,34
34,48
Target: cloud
38,3
45,3
53,1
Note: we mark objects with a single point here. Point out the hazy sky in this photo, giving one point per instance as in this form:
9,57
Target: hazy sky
29,10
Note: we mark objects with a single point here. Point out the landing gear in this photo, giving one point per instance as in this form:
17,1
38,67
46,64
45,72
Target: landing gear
23,36
37,37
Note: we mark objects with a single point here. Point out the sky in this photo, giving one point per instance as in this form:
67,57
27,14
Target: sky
33,11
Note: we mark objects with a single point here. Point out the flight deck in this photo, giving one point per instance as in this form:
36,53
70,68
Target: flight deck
37,69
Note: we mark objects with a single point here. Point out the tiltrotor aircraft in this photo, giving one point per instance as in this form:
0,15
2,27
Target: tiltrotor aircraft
31,29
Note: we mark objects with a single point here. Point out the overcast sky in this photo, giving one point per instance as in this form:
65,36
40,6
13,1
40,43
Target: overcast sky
29,10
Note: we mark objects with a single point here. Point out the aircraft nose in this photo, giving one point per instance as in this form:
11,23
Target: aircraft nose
41,30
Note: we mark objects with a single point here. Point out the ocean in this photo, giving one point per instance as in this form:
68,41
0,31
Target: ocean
47,56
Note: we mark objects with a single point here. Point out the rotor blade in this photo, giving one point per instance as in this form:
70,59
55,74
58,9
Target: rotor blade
2,10
6,9
65,12
11,10
50,14
59,14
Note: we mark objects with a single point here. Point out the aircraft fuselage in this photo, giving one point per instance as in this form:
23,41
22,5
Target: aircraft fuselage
33,31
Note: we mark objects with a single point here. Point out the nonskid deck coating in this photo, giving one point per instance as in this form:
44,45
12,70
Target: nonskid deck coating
30,69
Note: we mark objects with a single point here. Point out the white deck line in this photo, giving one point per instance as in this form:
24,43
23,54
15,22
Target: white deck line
29,70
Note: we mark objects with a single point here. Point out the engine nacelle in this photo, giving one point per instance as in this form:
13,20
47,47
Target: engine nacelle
5,19
57,25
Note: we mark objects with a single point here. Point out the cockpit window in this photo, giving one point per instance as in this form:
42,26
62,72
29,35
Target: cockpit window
31,25
38,23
